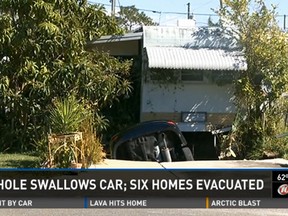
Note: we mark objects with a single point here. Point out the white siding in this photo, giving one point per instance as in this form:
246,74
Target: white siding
187,97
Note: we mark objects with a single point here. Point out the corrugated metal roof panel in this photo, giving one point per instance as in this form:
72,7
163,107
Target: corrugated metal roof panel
201,59
117,38
189,37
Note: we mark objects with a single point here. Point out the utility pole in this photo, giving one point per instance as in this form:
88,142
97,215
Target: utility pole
221,4
188,11
284,24
221,7
113,5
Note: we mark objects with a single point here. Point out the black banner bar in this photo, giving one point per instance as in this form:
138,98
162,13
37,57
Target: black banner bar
101,202
155,188
137,183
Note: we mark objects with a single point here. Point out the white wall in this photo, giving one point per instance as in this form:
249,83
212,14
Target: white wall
187,97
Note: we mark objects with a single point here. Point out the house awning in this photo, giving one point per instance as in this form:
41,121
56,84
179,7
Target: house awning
198,59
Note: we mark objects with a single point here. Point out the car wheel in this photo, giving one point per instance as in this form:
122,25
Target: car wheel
187,153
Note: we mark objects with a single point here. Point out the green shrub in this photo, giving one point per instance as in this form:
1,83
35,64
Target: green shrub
66,115
276,147
91,147
74,137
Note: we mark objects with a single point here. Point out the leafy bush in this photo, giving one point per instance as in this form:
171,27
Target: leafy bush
46,57
74,138
66,115
90,146
276,147
259,88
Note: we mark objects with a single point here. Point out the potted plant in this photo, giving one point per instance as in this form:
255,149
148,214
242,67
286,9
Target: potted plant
65,140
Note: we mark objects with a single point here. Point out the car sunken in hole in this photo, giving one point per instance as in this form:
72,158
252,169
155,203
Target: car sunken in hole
160,141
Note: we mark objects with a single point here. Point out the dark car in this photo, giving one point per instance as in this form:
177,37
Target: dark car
160,141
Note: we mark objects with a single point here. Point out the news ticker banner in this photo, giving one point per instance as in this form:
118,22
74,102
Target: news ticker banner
142,203
178,188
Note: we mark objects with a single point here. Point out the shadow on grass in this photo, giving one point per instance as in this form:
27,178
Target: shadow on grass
20,164
19,161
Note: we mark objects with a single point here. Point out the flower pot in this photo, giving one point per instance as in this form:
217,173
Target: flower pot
76,165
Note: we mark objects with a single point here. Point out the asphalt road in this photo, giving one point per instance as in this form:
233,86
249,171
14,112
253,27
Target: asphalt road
143,212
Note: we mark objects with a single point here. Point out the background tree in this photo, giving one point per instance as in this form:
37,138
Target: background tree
213,24
126,111
43,57
130,18
258,89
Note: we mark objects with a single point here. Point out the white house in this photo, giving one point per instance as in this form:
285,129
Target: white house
187,76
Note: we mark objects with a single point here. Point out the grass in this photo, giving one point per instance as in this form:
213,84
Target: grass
25,160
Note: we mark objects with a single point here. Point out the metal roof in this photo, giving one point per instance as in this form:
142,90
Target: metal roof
196,37
118,38
188,58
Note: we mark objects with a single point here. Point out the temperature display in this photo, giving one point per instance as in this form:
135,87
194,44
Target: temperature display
280,184
280,176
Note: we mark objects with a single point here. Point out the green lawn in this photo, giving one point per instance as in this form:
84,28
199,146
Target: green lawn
18,161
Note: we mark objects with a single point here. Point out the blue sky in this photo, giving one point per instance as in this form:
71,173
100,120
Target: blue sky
167,12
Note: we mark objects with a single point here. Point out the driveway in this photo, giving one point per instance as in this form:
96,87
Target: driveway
124,164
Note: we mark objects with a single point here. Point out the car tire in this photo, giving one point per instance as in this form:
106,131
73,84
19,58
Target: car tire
187,154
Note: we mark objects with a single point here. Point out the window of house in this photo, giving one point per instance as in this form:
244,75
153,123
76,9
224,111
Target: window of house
194,116
164,75
192,75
